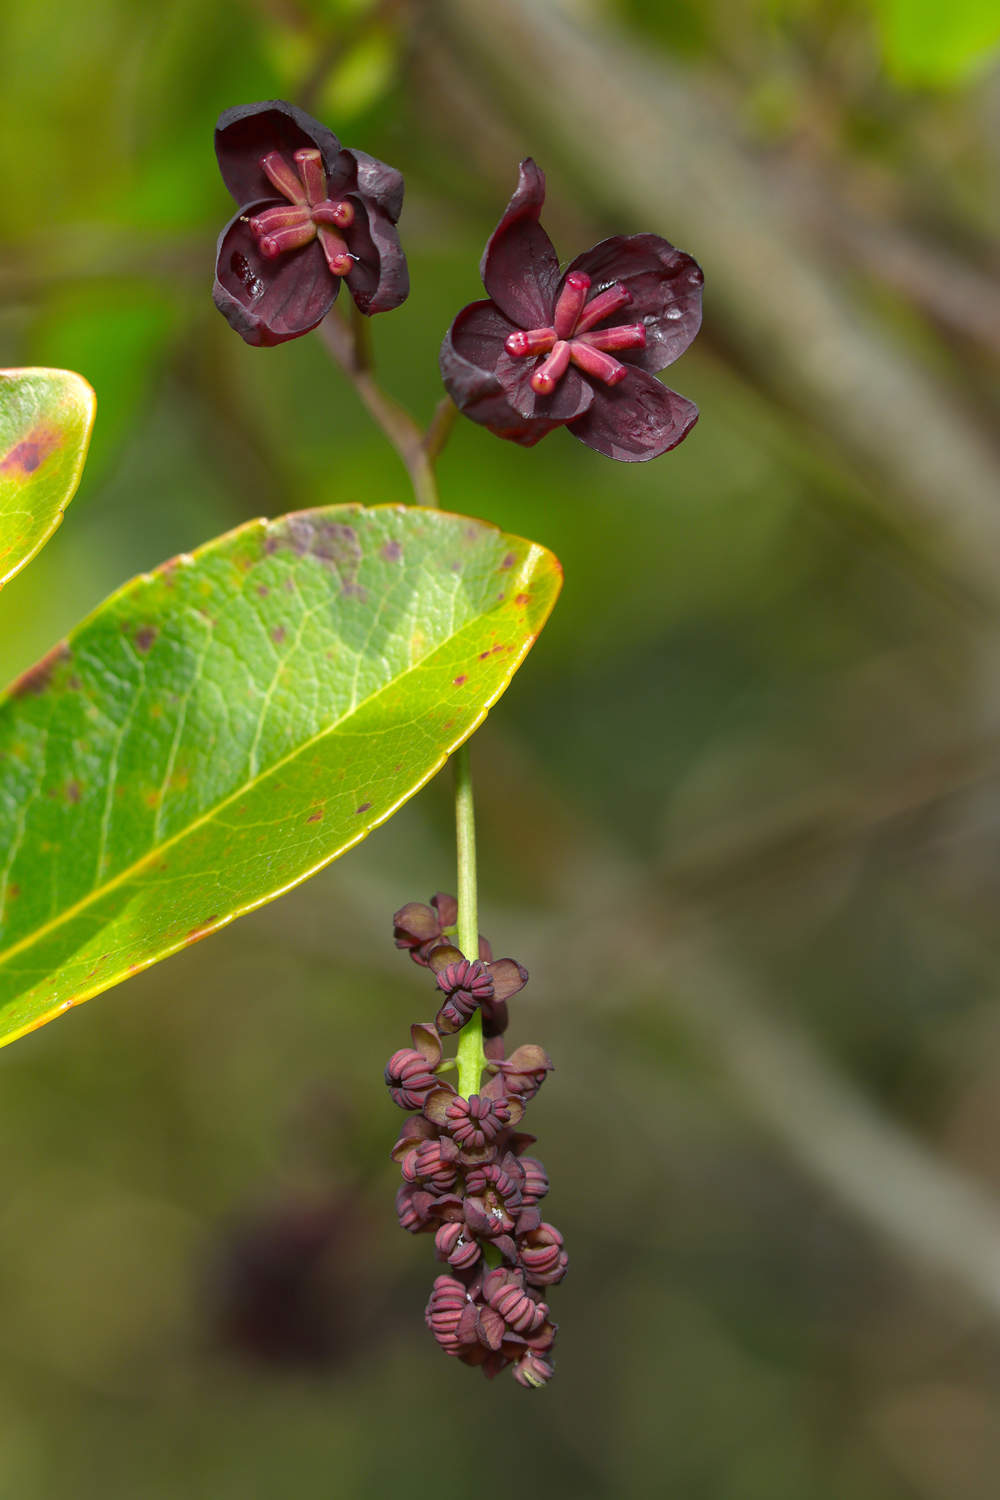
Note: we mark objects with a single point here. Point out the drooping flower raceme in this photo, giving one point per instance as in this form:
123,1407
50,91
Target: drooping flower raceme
466,1178
311,215
580,349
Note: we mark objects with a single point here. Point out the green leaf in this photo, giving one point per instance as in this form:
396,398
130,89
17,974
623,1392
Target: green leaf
220,729
45,422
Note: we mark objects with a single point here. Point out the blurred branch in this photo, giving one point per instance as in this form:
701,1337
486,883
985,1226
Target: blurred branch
650,141
949,292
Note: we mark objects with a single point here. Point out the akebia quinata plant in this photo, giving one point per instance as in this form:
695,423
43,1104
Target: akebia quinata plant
223,727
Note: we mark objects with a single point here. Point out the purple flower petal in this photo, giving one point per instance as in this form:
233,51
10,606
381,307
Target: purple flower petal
508,977
245,134
520,268
269,301
379,280
470,350
570,399
636,420
374,180
666,287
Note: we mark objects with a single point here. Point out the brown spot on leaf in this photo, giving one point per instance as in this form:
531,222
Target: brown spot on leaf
13,891
37,678
73,790
363,808
459,680
316,816
483,655
332,542
392,552
522,598
197,933
31,452
509,561
145,637
278,634
263,590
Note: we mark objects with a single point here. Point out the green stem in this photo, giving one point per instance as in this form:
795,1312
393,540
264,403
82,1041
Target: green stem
471,1057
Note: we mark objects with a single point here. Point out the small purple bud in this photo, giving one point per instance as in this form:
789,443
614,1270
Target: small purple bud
453,1244
444,1311
533,1369
433,1163
477,1121
542,1256
467,984
504,1291
409,1078
525,1071
536,1182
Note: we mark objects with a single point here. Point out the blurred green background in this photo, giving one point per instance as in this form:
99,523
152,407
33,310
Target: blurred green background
739,813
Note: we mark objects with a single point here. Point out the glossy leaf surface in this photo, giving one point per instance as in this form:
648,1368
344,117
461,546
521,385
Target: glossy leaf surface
45,422
222,728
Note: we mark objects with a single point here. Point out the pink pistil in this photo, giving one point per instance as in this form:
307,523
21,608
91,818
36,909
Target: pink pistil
328,212
338,257
570,303
530,341
307,214
310,164
602,306
288,216
281,240
551,370
281,176
595,362
622,336
570,340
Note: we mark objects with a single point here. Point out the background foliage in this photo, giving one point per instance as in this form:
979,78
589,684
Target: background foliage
739,812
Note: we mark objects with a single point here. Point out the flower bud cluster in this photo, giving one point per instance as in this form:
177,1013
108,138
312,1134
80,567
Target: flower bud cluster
467,1179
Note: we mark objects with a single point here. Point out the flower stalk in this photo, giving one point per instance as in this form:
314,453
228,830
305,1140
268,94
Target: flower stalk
471,1057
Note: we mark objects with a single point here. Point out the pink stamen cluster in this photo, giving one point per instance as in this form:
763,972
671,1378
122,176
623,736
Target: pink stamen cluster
574,337
309,214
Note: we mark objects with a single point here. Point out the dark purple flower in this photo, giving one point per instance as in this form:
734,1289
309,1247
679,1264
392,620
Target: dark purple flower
310,215
578,350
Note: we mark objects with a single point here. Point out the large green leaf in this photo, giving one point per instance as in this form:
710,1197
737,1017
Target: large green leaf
220,729
45,422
